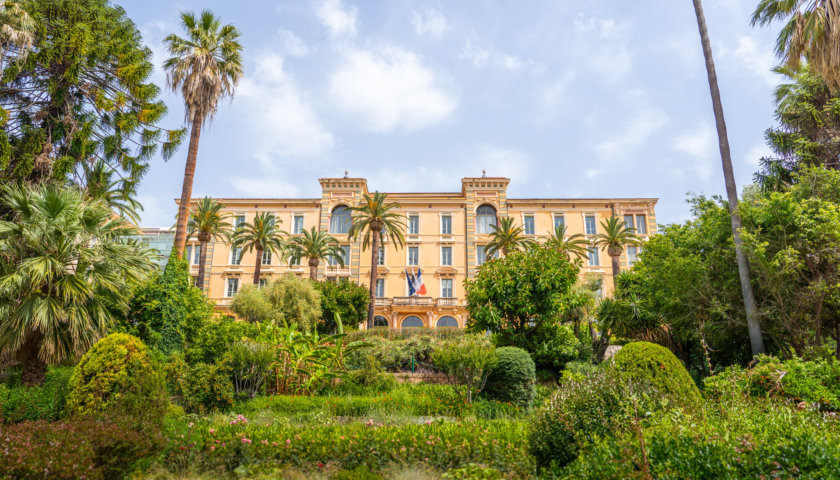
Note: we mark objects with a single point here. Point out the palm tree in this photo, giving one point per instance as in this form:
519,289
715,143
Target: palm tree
98,183
262,235
615,235
315,245
573,245
376,221
756,341
206,66
812,31
208,222
65,268
16,31
506,238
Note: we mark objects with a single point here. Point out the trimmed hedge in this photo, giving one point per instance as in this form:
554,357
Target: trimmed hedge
513,379
45,402
654,364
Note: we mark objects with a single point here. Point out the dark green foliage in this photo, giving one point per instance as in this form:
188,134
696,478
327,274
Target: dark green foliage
249,365
395,352
345,298
513,378
45,402
71,449
645,362
200,388
212,339
167,312
118,376
553,345
473,471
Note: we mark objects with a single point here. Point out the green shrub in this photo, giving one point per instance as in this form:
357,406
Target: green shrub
199,388
344,298
249,364
213,338
513,378
648,362
576,371
553,345
118,376
473,472
370,378
466,363
359,473
45,402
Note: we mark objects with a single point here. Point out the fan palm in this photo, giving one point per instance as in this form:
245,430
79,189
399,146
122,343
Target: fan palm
98,183
506,238
572,245
750,307
262,235
375,220
315,245
614,237
65,268
206,66
812,30
208,222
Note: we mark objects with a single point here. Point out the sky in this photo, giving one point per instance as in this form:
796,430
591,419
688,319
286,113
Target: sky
591,98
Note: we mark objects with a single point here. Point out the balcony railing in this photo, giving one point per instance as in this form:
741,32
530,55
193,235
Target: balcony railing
417,301
413,301
382,302
335,270
447,302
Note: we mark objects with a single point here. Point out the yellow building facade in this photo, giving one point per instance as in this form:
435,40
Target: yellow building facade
445,239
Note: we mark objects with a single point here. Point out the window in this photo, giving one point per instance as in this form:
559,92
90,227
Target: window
628,222
412,322
641,225
593,257
446,256
294,262
446,225
446,288
447,322
266,257
380,288
340,221
297,224
414,255
380,258
239,221
633,255
485,219
559,221
481,254
236,255
529,224
413,224
345,255
193,254
263,282
589,222
380,321
232,287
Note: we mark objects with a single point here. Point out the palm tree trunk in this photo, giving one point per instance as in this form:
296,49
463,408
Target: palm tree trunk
34,368
313,269
616,268
202,261
186,188
374,256
258,267
753,325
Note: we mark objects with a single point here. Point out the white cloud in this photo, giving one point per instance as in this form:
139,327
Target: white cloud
596,27
504,162
339,19
389,89
554,92
759,60
482,57
636,134
593,172
291,44
281,116
699,143
756,153
267,187
602,45
429,22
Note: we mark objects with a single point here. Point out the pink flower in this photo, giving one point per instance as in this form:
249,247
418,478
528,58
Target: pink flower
246,441
212,447
190,425
288,441
211,431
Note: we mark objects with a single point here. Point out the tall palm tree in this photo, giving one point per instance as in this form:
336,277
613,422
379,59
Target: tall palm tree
506,238
614,237
376,221
65,268
208,222
754,327
206,66
572,245
262,235
315,245
98,182
812,30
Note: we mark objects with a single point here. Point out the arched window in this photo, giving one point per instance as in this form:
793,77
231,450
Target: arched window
447,322
485,218
380,321
340,221
412,322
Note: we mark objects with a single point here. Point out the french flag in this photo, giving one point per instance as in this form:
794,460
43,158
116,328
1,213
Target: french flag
416,285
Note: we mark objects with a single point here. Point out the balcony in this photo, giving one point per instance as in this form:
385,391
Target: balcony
447,302
338,271
414,301
382,302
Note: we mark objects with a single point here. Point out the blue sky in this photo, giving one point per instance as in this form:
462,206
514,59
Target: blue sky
568,99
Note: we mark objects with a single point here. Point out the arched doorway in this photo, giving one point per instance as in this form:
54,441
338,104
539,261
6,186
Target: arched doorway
447,322
412,322
380,321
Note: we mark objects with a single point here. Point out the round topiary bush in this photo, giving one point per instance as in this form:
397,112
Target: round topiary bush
654,364
513,379
118,376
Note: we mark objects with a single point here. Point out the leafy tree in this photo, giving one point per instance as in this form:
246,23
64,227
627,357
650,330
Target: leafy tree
518,295
344,299
64,269
750,306
250,304
467,362
262,235
80,92
289,299
98,183
614,237
168,309
315,245
376,221
205,66
208,222
507,238
569,245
